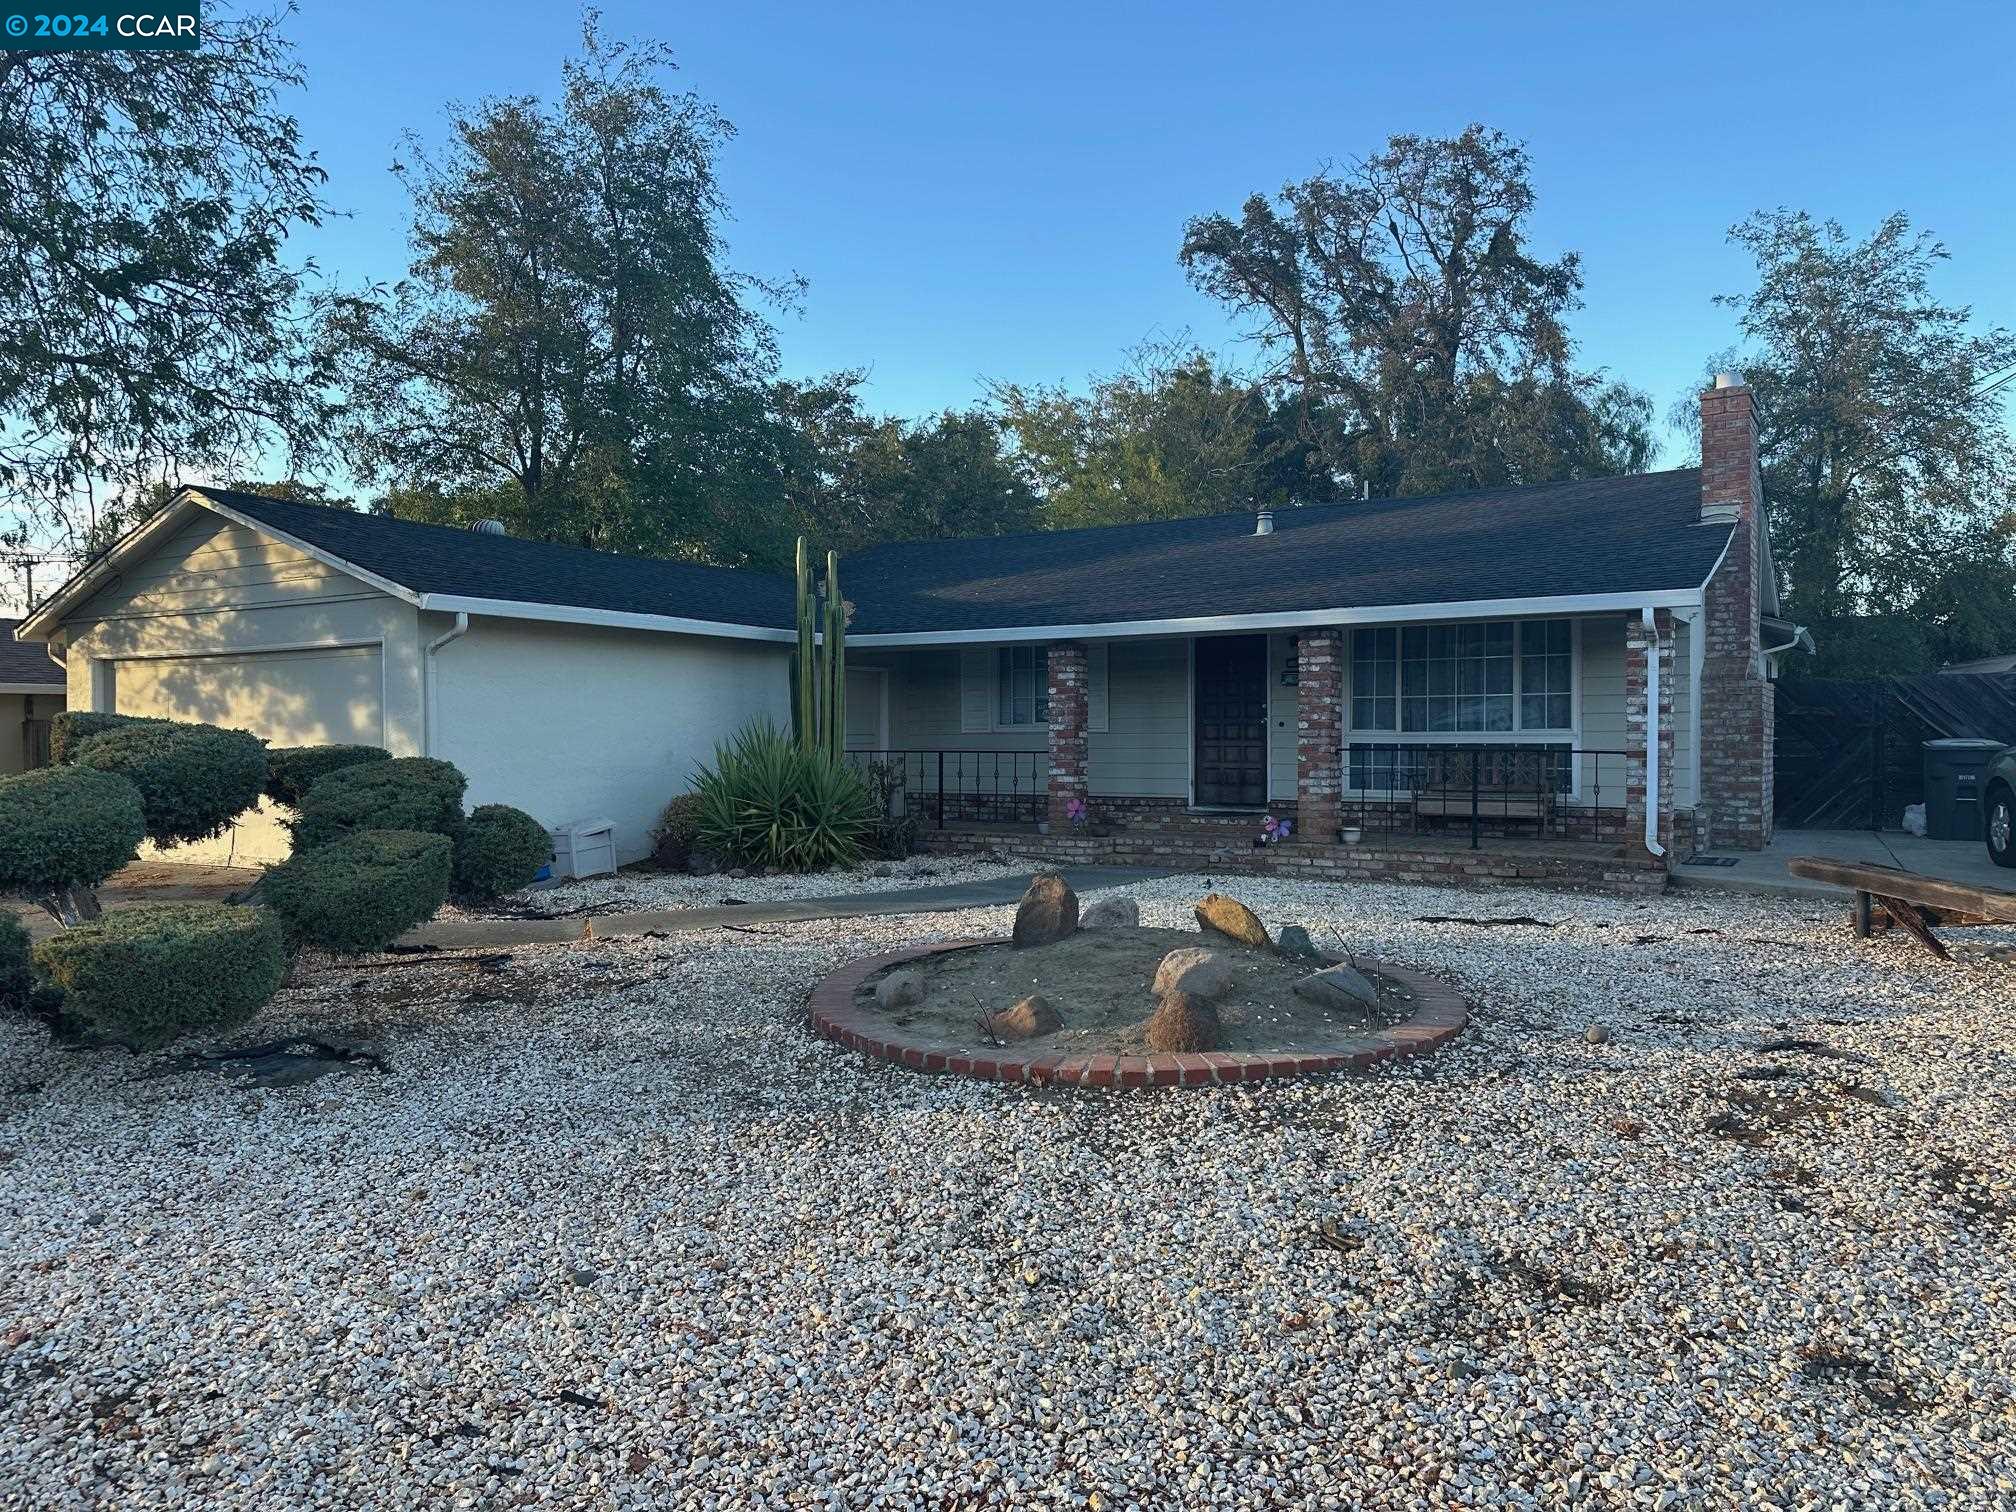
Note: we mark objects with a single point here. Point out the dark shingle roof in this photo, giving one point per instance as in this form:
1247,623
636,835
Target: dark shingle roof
1637,534
1630,535
463,563
26,661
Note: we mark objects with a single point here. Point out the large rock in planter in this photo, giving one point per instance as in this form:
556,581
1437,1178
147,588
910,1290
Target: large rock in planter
1027,1019
1339,987
1048,912
900,989
1204,974
1180,1024
1220,915
1112,913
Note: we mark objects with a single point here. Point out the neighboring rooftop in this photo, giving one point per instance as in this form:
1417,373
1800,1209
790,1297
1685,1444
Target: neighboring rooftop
1636,534
23,662
446,559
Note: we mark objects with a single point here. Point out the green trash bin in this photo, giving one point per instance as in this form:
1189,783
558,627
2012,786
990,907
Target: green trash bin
1953,771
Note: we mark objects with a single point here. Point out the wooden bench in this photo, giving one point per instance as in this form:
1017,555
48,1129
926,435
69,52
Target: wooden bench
1916,902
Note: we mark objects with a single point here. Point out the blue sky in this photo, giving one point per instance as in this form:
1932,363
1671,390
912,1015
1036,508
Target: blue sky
982,192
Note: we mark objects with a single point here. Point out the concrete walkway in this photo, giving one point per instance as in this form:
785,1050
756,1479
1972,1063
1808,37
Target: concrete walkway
462,934
1964,861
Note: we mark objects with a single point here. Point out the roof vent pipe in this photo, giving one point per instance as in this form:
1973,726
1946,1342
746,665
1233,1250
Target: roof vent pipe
488,527
1263,522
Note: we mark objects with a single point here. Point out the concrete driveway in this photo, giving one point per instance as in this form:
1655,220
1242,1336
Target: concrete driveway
1963,861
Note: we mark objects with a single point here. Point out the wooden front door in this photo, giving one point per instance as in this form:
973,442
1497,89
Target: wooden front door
1231,722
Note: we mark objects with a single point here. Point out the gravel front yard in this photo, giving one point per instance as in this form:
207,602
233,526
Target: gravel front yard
636,891
614,1231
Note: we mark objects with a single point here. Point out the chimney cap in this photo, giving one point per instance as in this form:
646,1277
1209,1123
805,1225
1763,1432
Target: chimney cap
1729,378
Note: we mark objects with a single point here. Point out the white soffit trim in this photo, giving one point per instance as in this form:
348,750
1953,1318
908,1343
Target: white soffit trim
1387,614
564,614
44,690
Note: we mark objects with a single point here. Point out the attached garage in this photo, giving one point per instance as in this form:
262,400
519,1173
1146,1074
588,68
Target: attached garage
572,684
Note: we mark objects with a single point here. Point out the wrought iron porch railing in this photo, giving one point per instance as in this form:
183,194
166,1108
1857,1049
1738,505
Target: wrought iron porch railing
968,787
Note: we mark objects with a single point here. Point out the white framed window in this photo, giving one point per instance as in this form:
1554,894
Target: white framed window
1473,678
1022,674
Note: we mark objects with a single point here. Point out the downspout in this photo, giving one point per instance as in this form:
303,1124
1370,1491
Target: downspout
454,633
1652,774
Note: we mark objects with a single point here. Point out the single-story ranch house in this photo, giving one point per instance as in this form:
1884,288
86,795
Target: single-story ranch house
1572,669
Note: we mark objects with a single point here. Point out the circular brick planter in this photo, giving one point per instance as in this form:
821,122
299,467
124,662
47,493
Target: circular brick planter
1438,1016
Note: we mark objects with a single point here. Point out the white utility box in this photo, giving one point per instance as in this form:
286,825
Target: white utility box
585,848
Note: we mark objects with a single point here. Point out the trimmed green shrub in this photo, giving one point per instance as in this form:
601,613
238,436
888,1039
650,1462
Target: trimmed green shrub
71,728
292,770
361,893
194,779
16,980
404,793
678,827
144,975
500,850
66,828
768,801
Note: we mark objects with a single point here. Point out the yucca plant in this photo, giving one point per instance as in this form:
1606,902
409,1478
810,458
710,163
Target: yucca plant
768,801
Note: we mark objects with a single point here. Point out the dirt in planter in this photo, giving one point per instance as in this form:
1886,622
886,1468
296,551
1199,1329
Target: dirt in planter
1101,982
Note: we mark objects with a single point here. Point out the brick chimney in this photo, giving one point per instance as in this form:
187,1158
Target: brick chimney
1737,724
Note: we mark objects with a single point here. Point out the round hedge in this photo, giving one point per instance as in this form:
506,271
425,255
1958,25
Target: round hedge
292,770
500,850
17,981
144,975
71,728
194,779
360,894
404,793
66,827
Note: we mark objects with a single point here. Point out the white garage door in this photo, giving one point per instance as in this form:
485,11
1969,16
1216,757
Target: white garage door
333,696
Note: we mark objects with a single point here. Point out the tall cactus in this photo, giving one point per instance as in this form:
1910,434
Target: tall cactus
806,708
836,659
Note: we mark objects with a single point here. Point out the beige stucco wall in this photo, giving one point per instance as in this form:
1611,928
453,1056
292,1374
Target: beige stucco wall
573,722
216,589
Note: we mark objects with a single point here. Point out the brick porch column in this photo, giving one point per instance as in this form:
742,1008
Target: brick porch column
1640,648
1068,722
1319,732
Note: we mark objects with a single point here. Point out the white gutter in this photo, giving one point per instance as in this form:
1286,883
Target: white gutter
567,614
1652,842
454,633
1383,614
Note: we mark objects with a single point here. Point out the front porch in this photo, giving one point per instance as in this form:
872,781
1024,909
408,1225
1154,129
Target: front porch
1472,748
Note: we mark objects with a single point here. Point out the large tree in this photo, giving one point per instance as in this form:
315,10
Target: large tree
1889,472
150,322
852,478
1170,435
1420,339
568,344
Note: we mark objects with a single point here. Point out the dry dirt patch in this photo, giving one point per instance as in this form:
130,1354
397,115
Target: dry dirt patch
1101,982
